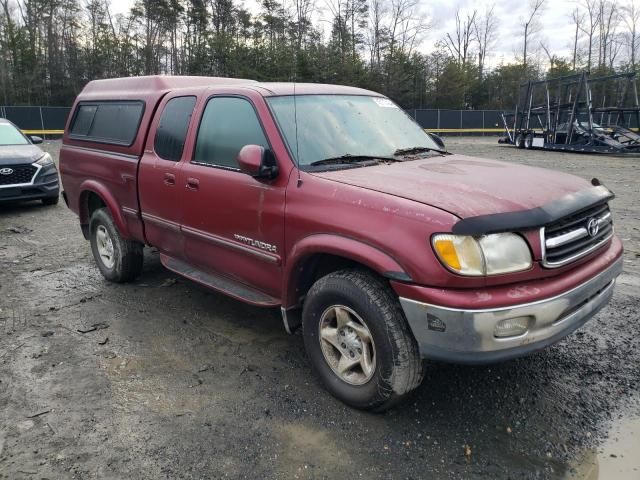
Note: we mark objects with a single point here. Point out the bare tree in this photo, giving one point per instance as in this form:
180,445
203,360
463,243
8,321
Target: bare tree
615,44
590,26
609,19
550,56
376,31
407,27
459,43
485,34
303,11
578,19
530,26
631,19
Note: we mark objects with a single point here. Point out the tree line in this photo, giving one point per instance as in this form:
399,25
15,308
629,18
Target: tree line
50,48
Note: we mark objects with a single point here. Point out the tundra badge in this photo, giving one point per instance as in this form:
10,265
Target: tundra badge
256,243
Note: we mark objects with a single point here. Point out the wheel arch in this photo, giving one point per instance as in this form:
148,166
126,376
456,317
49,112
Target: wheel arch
318,255
94,195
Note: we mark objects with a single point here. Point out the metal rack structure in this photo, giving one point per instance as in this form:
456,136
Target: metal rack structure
577,113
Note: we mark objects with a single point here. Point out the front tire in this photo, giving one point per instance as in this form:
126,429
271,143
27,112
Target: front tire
119,260
359,342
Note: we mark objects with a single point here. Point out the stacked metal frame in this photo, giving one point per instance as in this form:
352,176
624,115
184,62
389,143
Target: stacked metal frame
577,113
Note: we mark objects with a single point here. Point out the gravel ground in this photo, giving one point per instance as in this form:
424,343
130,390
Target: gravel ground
180,382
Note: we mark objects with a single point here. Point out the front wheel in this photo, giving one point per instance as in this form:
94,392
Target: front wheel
359,342
118,259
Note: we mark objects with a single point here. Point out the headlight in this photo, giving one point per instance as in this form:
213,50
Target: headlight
45,160
487,255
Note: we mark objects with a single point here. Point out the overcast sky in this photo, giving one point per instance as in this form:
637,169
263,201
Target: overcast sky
556,33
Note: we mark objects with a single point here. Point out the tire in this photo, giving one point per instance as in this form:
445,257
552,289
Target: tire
51,200
519,141
396,367
126,256
528,141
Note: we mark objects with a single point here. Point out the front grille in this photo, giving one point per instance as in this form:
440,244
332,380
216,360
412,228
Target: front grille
19,174
576,235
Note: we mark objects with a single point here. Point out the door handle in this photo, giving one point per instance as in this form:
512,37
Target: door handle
169,179
193,183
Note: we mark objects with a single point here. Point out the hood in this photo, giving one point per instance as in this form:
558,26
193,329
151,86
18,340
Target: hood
464,186
19,154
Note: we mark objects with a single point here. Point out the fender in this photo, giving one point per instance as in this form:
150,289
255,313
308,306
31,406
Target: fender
109,200
346,247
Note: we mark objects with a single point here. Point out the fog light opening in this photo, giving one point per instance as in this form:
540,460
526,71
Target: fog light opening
512,327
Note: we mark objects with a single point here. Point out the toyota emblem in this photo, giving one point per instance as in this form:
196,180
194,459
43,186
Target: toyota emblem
6,171
592,227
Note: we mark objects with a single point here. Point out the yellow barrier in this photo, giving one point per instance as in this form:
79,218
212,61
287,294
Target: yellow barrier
43,132
464,130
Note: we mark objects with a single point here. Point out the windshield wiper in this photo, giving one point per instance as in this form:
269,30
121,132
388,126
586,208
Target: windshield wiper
411,150
349,158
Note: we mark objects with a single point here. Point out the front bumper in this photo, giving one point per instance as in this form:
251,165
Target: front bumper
44,184
467,336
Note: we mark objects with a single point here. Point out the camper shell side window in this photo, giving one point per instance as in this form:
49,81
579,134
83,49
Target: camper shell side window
111,122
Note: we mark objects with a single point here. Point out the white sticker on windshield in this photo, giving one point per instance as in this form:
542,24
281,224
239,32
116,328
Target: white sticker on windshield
384,102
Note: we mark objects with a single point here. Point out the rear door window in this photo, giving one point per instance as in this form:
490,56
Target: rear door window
173,126
227,125
107,122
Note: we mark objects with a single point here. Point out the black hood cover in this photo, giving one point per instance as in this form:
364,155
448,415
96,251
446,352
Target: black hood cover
19,154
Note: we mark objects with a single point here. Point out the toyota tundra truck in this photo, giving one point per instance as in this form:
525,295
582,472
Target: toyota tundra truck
332,204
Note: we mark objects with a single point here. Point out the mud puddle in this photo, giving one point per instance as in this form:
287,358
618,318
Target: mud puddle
617,458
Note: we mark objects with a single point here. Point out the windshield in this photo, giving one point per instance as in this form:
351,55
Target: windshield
331,126
9,135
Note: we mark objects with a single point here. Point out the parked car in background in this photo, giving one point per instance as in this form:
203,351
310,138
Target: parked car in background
331,203
26,172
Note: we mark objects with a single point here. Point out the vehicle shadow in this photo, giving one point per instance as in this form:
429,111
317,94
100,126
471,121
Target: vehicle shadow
23,207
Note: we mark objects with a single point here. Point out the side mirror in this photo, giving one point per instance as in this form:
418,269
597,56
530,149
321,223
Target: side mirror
35,140
257,161
438,140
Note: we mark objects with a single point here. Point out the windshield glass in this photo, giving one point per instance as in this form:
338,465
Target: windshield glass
331,126
9,135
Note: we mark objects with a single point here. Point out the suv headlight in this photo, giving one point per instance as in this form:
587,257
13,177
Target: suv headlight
487,255
44,160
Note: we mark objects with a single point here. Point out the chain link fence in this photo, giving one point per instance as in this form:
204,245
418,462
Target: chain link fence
49,121
461,122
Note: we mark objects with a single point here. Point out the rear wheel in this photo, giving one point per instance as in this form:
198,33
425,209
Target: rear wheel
359,342
519,141
119,260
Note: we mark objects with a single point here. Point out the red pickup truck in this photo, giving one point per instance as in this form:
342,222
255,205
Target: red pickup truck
331,203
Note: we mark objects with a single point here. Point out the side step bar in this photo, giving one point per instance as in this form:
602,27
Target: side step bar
220,283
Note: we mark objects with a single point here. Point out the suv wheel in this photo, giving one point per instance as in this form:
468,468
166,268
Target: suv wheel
359,342
119,260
